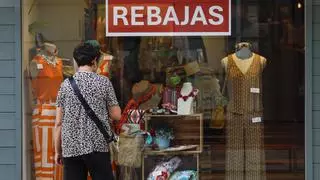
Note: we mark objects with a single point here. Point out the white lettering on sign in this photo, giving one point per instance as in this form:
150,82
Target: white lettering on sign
186,16
217,15
154,13
117,16
198,15
135,15
171,15
154,18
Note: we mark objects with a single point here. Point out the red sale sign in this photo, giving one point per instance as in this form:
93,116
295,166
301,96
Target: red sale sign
168,18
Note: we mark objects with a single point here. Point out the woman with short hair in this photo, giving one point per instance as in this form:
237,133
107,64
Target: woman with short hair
79,143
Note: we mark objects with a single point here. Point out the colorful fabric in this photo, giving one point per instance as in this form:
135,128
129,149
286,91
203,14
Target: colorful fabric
43,121
193,93
169,98
105,67
184,175
164,169
134,104
48,80
135,116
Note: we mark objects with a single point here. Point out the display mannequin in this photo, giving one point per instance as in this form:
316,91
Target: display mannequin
186,97
245,156
46,76
243,57
104,62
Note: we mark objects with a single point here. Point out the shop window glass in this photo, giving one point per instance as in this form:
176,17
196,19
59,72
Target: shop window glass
230,104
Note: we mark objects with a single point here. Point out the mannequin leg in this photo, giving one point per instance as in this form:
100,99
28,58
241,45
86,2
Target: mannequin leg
254,151
234,148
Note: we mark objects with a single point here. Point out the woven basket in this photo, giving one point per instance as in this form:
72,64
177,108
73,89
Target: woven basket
130,151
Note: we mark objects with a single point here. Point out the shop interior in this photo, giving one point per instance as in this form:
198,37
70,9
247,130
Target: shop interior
272,29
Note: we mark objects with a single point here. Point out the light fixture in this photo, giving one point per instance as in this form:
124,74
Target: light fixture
299,5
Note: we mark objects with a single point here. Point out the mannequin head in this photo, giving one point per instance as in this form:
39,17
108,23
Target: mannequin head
243,50
50,49
241,45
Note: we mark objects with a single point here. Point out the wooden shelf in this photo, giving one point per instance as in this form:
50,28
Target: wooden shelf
187,129
172,115
194,150
171,152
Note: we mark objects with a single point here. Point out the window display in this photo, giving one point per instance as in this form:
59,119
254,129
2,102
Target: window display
193,107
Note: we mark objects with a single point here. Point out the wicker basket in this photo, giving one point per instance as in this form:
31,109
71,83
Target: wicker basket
130,151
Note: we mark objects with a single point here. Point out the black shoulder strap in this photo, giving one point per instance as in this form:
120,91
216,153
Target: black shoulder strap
89,111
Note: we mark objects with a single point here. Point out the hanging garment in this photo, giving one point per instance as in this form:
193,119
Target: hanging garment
45,88
47,83
169,98
245,156
104,68
43,120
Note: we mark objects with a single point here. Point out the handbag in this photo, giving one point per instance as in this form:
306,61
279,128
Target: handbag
130,150
92,114
131,140
218,114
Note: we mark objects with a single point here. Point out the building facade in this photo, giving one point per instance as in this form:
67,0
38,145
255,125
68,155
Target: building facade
19,18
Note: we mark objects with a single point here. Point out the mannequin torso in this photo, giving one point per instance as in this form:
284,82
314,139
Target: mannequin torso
243,64
186,97
48,53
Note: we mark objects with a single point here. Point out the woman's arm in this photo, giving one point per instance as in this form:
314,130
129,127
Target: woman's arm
57,131
115,113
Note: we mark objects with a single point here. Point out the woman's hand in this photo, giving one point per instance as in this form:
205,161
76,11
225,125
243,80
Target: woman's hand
57,138
58,159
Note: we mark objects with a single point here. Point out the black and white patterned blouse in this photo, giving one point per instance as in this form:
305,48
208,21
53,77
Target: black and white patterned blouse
79,133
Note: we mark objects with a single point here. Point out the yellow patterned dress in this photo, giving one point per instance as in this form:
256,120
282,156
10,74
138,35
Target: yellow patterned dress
245,156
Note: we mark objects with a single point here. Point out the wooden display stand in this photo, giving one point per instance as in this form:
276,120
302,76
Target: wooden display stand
187,129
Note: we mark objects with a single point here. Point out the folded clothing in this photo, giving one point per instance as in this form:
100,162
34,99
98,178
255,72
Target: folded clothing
184,175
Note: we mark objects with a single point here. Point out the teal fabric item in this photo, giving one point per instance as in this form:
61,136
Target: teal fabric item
94,43
148,139
184,175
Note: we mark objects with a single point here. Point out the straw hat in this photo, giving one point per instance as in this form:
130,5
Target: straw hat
144,87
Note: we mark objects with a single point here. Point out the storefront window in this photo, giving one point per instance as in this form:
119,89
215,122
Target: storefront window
211,106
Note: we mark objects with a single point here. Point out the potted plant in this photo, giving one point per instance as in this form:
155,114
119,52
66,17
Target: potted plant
163,137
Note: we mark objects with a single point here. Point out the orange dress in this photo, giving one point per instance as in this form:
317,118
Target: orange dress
104,66
45,88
